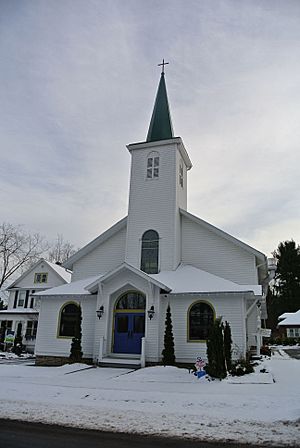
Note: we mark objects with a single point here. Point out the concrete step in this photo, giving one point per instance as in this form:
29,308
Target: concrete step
124,363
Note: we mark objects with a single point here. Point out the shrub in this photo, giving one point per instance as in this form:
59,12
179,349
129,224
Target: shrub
215,351
227,346
265,350
241,367
168,353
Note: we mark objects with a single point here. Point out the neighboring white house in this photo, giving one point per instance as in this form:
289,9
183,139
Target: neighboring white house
290,323
22,307
159,254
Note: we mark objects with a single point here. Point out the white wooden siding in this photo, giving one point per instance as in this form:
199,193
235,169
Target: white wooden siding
154,204
231,308
47,343
103,258
212,253
53,279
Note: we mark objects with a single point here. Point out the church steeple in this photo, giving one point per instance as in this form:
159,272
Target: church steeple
158,190
161,125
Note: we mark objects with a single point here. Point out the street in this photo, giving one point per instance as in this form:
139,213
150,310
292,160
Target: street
15,434
293,352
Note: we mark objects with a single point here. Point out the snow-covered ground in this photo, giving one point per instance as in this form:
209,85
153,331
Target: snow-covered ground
160,400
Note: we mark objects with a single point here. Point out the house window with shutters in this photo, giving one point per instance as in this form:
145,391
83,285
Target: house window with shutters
153,165
201,316
31,329
21,298
6,324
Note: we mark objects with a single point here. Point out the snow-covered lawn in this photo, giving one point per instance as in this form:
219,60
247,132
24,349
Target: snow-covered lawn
157,400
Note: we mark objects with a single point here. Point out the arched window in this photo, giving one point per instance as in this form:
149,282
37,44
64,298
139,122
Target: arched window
153,165
200,318
132,300
149,255
68,319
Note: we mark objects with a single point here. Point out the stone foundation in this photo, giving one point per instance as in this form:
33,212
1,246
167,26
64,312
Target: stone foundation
56,361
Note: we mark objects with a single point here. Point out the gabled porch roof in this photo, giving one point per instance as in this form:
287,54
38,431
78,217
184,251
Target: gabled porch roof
92,287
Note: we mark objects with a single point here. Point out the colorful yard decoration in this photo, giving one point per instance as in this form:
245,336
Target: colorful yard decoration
200,364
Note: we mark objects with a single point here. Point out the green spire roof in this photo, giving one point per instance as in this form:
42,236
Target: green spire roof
161,125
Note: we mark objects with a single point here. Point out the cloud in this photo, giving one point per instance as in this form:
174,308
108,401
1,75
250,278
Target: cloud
78,82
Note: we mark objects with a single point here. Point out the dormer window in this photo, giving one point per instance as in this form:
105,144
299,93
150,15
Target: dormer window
41,277
153,166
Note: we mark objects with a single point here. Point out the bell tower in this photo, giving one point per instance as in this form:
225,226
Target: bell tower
158,189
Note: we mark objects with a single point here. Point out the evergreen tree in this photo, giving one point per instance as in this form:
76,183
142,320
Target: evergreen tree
76,350
275,307
227,346
287,279
215,351
168,352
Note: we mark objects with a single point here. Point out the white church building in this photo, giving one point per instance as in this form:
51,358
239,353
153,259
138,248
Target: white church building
159,254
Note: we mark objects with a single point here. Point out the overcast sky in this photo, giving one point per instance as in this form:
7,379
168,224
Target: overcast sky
78,80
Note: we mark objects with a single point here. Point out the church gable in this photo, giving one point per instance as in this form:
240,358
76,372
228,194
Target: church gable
207,249
102,255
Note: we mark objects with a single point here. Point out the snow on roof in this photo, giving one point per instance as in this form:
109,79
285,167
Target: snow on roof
188,279
185,279
284,316
290,319
74,288
66,275
61,271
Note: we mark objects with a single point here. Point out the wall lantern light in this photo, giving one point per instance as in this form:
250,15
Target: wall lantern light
100,312
151,312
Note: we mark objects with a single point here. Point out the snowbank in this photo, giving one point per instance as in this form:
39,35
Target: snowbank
159,400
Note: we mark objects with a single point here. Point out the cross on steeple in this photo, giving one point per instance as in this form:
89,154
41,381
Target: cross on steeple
161,125
163,65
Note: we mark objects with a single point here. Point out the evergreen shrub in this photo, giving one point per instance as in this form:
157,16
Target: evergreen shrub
168,353
215,351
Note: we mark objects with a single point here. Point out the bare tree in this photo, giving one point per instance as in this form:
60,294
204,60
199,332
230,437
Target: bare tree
18,250
61,250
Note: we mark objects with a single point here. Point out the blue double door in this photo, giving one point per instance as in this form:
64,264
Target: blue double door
129,329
